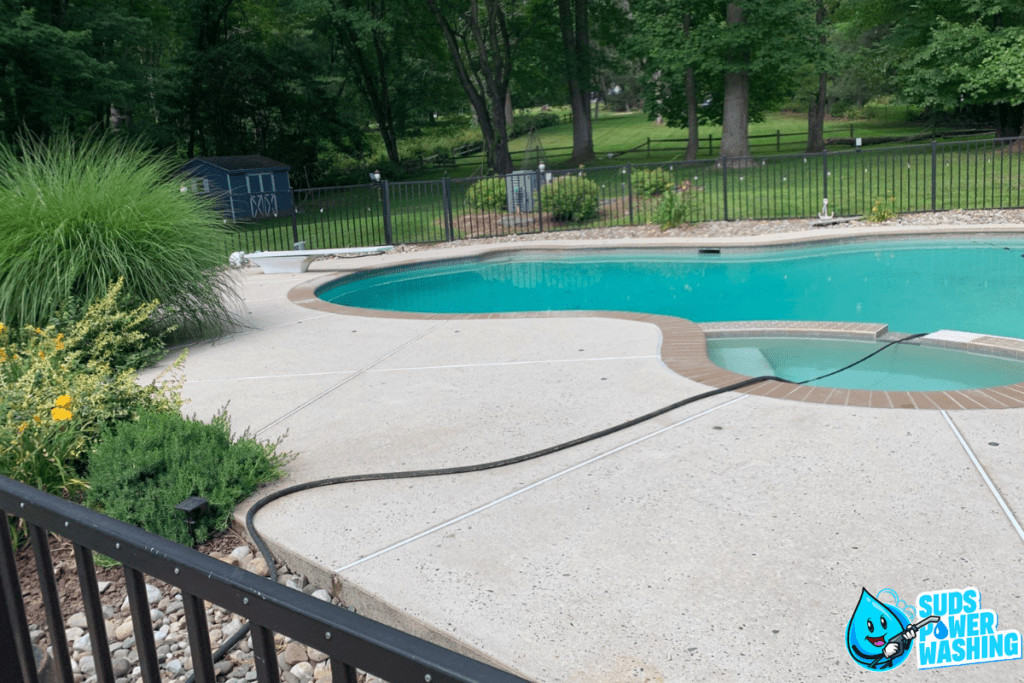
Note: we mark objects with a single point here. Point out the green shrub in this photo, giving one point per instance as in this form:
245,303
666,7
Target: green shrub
77,214
523,124
488,195
649,183
676,207
139,473
104,332
882,210
571,198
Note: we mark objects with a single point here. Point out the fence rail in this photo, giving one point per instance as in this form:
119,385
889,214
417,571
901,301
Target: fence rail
935,176
351,641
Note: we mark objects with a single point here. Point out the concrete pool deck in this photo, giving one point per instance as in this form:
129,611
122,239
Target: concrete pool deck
727,540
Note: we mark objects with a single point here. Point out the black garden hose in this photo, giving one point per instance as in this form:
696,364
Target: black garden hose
410,474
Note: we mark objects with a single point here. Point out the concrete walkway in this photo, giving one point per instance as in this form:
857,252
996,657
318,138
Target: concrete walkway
726,541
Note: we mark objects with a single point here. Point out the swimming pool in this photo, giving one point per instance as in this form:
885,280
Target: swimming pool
972,285
900,367
911,285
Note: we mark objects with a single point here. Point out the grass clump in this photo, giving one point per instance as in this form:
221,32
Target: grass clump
571,198
77,214
488,195
141,471
882,210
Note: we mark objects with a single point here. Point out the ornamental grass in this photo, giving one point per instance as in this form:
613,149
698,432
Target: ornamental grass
79,213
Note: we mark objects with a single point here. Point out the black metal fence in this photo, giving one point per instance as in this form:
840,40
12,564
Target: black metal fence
351,641
936,176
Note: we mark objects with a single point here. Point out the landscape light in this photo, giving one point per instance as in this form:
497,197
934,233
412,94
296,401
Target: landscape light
191,507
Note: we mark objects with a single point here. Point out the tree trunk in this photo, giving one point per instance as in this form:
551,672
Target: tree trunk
816,117
1009,120
508,109
735,143
693,141
575,28
816,112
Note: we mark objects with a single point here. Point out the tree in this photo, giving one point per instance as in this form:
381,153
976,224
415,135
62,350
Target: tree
389,58
952,56
481,43
760,51
819,103
253,80
64,65
669,42
574,21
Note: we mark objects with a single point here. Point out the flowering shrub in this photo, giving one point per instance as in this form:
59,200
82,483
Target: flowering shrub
677,206
883,210
59,390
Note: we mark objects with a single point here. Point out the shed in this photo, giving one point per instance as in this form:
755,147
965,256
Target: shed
252,186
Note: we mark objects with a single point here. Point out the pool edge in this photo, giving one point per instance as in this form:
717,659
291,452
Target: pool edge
684,342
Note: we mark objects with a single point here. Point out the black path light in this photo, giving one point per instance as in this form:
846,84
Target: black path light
192,507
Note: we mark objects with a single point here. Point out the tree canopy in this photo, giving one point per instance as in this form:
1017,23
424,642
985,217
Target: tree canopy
310,82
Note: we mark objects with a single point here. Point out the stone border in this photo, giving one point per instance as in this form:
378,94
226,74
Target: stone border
684,343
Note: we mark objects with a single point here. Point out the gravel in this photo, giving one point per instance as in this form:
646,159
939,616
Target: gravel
742,228
303,665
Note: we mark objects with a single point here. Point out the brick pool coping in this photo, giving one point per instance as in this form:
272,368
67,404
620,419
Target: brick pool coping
684,347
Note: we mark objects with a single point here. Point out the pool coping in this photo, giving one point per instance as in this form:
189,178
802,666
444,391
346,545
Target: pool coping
684,342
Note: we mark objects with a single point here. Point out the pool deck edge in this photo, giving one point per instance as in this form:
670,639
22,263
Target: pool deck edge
684,343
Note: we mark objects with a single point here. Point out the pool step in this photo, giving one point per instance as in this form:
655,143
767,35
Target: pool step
746,360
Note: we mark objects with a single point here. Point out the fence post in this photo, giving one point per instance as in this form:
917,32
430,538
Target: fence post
12,609
648,148
540,208
725,188
934,145
711,145
446,199
629,189
386,209
778,140
295,225
851,131
824,174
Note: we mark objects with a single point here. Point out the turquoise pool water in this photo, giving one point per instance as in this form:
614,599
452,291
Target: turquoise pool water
913,286
902,367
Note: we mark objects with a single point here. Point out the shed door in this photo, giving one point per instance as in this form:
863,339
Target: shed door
262,195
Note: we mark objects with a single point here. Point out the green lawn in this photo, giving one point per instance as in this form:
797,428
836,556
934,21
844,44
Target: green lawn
632,138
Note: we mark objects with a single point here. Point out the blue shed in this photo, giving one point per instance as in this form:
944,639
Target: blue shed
252,186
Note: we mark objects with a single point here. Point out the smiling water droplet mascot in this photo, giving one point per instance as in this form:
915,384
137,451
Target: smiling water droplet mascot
878,636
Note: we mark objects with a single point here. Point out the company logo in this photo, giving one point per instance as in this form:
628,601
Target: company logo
949,626
966,634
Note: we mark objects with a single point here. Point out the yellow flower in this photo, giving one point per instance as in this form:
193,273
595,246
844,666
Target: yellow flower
21,427
3,355
37,419
42,355
60,413
39,331
3,328
62,400
60,342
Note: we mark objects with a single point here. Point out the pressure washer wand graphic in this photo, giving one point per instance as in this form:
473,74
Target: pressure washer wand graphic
899,643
